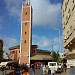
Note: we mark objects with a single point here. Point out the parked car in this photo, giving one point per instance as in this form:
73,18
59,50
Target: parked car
53,64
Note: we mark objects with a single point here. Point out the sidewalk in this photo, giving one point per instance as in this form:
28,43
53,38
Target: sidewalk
61,74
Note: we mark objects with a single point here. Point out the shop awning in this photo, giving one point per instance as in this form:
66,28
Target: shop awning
41,57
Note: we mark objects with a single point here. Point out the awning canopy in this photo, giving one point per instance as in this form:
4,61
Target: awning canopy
41,57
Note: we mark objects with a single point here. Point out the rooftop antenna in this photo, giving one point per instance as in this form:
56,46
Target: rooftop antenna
27,2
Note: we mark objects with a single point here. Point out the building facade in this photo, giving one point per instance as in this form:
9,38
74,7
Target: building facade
15,53
26,33
68,22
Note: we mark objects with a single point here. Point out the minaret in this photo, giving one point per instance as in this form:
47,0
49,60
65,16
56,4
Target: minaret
28,2
26,33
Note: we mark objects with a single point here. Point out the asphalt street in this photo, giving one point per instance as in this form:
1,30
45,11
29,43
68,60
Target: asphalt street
71,71
40,72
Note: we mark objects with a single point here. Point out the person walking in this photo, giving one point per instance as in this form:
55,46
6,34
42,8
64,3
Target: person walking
44,70
47,68
65,68
18,72
33,69
26,70
49,71
2,71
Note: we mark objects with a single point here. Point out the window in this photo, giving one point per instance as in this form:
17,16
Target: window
25,23
73,1
66,18
65,6
69,13
25,13
25,41
63,27
71,28
74,6
25,32
67,31
33,51
68,0
63,15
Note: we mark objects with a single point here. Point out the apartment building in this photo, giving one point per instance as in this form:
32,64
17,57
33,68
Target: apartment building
68,22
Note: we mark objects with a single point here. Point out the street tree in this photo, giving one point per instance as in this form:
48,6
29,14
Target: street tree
55,56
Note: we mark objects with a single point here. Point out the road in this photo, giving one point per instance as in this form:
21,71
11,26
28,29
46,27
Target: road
71,71
40,72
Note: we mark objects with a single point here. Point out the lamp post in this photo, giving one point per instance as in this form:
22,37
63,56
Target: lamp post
59,39
52,45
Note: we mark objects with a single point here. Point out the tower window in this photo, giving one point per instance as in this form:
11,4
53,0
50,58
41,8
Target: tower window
25,32
25,41
25,13
25,23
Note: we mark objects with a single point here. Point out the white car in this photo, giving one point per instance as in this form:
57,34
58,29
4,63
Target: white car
53,64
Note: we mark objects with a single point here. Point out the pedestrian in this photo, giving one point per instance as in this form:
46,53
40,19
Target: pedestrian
65,68
2,71
10,67
52,70
18,72
26,70
33,69
49,71
47,68
44,69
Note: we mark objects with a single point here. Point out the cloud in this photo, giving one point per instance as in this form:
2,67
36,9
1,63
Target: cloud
41,41
45,43
8,42
14,8
45,13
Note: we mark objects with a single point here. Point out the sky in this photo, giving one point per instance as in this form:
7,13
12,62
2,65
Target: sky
46,24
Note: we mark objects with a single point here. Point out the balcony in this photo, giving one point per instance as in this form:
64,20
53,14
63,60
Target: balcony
69,41
70,54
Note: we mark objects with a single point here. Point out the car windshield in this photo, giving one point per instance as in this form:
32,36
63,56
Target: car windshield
52,64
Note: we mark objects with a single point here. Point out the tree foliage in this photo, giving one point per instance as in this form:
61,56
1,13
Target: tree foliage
55,56
1,51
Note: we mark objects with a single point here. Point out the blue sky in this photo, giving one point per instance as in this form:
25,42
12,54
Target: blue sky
46,18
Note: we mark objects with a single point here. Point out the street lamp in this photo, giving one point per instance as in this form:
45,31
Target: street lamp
59,39
52,45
